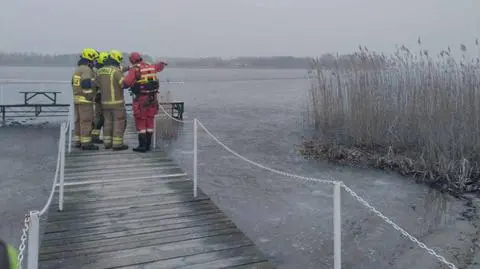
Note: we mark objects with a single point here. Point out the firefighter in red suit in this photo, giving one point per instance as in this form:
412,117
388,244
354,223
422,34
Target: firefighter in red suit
143,83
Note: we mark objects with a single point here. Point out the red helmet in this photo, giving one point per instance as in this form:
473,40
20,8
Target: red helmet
135,57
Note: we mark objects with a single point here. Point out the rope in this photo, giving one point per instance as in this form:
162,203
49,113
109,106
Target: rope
275,171
61,150
347,189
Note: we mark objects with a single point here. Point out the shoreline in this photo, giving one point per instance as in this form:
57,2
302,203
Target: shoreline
387,160
465,247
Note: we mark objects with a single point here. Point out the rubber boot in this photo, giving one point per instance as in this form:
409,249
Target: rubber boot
89,146
120,147
149,140
142,143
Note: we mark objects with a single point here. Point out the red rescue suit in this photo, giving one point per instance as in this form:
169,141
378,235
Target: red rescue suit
143,83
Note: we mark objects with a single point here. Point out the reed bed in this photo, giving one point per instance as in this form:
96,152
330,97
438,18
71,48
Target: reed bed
410,112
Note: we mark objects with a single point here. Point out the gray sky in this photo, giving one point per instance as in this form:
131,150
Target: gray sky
197,28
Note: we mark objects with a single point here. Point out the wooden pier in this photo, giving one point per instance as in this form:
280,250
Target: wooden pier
132,210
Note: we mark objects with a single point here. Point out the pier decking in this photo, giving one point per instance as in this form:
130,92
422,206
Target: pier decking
133,210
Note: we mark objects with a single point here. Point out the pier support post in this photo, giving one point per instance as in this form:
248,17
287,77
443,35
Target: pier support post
337,225
195,130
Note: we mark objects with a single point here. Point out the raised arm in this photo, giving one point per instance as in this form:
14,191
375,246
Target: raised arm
159,66
130,77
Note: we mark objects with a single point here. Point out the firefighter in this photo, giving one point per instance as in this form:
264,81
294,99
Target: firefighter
8,256
143,83
83,85
98,119
110,82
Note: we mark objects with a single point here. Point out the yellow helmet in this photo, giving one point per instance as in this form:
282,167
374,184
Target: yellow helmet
89,54
102,57
116,56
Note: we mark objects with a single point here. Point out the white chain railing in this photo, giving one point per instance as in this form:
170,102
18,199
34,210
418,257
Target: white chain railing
337,184
31,231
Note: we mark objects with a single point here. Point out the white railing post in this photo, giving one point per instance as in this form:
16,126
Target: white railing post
337,225
154,135
33,240
71,125
62,167
195,127
2,102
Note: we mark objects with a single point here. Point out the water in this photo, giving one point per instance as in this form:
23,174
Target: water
290,220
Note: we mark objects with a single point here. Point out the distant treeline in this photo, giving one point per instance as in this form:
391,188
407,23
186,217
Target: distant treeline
34,59
327,61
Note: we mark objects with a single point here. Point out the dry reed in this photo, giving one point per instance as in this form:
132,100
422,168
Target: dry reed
417,114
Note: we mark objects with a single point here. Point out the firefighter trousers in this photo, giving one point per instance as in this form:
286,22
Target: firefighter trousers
98,119
114,126
83,123
144,116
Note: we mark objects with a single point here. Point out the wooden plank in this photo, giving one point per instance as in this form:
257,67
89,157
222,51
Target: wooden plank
123,172
210,260
219,222
149,253
54,215
132,225
112,178
131,242
125,195
109,223
168,183
125,202
99,191
74,224
69,163
127,183
116,166
102,153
